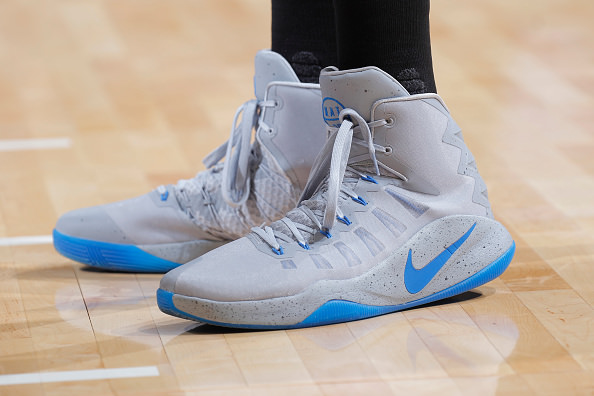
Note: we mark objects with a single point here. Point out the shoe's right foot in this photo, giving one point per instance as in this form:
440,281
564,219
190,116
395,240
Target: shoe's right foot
258,183
394,215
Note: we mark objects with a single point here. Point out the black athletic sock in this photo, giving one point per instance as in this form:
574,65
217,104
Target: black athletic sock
303,32
390,34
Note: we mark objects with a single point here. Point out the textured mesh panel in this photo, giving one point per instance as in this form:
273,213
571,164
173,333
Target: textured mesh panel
371,242
317,204
320,261
288,264
271,195
348,254
390,222
272,192
413,207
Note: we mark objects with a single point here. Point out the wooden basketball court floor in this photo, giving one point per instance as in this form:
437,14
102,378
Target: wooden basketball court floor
104,100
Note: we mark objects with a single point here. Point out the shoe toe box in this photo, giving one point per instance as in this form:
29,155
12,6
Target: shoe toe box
144,220
237,271
92,223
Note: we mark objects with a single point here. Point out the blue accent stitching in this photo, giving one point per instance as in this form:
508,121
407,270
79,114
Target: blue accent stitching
326,233
369,179
344,220
304,246
360,200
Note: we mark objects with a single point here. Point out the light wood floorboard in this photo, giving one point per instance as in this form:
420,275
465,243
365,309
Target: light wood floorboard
144,89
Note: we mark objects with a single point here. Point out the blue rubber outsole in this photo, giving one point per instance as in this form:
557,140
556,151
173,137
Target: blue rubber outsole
338,311
110,256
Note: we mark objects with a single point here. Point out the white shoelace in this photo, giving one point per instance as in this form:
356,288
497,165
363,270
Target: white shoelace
340,144
236,172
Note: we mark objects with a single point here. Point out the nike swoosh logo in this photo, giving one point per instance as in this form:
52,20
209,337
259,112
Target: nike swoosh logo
415,280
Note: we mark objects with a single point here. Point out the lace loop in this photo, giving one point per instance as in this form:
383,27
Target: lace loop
267,234
366,132
327,182
296,233
235,173
340,154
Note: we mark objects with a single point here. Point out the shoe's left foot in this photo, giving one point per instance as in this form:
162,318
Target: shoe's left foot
394,215
258,182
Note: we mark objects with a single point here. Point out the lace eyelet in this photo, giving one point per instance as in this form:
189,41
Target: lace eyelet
304,246
389,121
163,193
388,150
279,252
369,179
326,234
344,220
359,200
278,103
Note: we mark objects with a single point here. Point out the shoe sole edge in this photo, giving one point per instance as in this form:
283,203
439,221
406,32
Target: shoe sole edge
338,311
109,256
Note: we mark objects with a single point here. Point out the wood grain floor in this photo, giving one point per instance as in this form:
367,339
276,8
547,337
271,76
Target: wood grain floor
136,92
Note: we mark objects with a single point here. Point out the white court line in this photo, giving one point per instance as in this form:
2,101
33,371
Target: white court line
26,240
34,144
79,375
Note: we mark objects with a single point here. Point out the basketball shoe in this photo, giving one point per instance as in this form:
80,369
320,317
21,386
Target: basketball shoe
394,215
257,183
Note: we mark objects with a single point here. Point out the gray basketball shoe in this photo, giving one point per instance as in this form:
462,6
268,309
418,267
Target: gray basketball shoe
394,215
258,183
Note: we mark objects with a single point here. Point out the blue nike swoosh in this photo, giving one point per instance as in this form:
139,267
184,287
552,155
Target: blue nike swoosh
415,280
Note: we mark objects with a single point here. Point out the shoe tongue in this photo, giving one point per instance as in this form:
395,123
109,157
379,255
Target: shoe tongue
271,67
357,89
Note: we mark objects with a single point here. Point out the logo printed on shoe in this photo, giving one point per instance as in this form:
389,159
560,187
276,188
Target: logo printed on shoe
415,280
331,109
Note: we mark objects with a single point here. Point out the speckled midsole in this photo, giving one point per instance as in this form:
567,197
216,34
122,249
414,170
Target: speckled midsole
382,285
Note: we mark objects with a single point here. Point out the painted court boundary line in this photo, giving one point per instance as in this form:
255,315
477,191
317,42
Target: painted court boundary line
34,144
26,240
79,375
